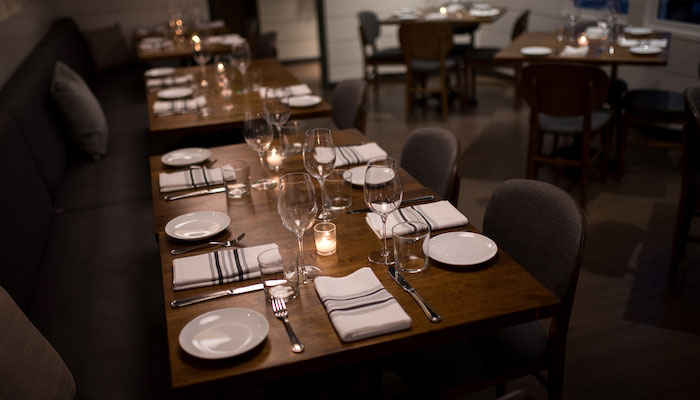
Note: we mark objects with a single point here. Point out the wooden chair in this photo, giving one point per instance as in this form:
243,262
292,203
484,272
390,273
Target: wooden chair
566,100
688,205
426,46
349,104
369,32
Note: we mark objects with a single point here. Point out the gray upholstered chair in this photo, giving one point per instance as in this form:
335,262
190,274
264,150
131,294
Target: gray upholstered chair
30,367
430,155
349,104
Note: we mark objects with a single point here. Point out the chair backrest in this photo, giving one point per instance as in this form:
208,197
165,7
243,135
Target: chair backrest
691,133
369,26
430,155
425,40
520,25
349,98
564,90
30,367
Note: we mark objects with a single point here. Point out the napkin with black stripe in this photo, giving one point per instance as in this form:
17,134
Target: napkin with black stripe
359,306
190,178
357,154
182,106
218,267
168,81
438,215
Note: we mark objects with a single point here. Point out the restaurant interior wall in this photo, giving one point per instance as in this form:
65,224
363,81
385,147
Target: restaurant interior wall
296,24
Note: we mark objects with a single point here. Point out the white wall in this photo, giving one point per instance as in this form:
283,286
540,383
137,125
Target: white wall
296,24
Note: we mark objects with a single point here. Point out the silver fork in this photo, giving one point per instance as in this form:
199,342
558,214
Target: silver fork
227,243
280,310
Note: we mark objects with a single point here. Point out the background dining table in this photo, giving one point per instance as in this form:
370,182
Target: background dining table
471,300
458,18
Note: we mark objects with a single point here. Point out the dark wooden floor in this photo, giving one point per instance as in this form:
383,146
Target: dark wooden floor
630,335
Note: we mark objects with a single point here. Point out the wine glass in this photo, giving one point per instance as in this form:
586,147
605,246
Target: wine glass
258,135
201,55
383,195
277,106
240,58
296,205
319,161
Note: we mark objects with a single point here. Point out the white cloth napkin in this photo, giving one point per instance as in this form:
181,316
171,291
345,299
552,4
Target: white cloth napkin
435,16
232,39
218,267
189,179
624,42
359,306
181,80
484,13
571,51
358,154
154,43
164,107
295,90
438,215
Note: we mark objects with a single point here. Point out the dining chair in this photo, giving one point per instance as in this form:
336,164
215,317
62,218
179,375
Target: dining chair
688,204
567,100
372,56
349,104
426,46
30,367
430,155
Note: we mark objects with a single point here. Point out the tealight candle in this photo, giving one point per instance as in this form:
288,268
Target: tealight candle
324,234
582,40
443,10
220,67
274,158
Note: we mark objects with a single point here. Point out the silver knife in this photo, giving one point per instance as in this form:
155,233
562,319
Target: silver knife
429,312
403,203
215,295
195,193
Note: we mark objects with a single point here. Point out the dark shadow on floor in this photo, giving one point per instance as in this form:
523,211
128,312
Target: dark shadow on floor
609,248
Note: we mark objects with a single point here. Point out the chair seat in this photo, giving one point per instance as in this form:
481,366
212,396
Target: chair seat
482,54
429,66
388,55
510,348
649,102
573,125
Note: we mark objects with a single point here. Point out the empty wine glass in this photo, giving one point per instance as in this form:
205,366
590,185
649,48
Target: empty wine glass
240,58
383,195
258,135
201,55
319,161
277,107
296,205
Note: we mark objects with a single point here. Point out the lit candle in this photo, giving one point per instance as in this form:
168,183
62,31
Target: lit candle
325,246
274,159
324,235
582,40
220,67
443,10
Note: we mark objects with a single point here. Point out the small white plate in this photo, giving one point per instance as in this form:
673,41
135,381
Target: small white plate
481,6
197,225
358,175
491,12
174,93
536,51
224,333
461,248
645,50
638,31
185,157
159,72
304,101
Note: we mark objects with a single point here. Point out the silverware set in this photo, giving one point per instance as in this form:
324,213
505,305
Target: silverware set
227,243
279,308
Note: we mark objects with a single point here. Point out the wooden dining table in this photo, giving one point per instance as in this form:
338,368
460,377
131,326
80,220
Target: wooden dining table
470,299
272,74
175,49
458,18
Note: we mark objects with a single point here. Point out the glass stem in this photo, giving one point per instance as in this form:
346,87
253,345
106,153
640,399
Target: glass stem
262,165
301,272
385,252
321,182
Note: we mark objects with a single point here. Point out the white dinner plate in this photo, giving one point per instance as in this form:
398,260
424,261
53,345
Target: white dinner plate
224,333
358,175
159,72
461,248
197,225
536,51
491,12
638,31
174,93
645,50
481,6
304,101
185,157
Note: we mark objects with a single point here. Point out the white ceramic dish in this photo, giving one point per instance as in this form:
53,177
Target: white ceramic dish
197,225
185,157
358,175
461,248
492,12
304,101
224,333
536,51
159,72
481,6
174,93
645,50
638,30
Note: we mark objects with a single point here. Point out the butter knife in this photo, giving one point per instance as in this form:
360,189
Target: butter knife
195,193
405,202
215,295
429,312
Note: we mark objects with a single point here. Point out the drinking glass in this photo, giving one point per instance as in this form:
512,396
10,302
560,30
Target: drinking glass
258,135
201,55
277,107
240,58
296,205
319,161
383,195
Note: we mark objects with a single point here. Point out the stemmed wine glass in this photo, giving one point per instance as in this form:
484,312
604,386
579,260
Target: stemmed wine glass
296,205
319,161
258,135
383,195
201,55
277,107
240,58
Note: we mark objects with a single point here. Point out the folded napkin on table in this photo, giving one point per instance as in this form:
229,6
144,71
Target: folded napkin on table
359,306
232,39
156,83
435,16
189,179
438,215
217,267
484,13
624,42
295,90
154,43
162,107
357,154
571,51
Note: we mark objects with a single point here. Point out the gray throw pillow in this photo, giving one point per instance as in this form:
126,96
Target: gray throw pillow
82,113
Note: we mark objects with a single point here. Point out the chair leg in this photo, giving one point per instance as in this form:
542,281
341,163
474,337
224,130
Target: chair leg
585,167
683,219
622,146
605,144
443,93
409,94
517,97
533,146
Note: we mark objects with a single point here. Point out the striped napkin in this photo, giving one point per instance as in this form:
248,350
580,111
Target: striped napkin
218,267
295,90
359,306
624,42
189,179
358,154
438,215
163,108
168,81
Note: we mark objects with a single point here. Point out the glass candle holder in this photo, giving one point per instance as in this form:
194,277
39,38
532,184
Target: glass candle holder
324,235
275,158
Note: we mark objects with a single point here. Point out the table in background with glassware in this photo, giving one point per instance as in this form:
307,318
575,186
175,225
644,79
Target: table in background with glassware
458,16
470,301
